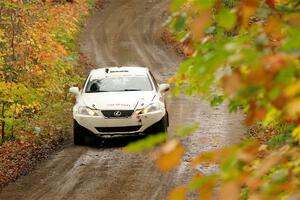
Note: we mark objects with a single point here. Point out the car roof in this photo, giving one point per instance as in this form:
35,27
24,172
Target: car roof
119,71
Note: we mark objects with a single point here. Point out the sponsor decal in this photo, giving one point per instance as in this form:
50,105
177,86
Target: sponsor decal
119,104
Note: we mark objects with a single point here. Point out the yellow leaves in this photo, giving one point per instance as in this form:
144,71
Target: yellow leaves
169,156
1,34
259,176
293,108
292,90
296,133
178,193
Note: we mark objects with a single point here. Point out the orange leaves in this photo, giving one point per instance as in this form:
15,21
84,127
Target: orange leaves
267,164
269,28
199,24
188,48
257,76
255,113
204,185
264,83
242,167
211,157
232,83
273,63
294,19
271,3
206,191
247,9
230,191
178,193
188,51
169,156
249,152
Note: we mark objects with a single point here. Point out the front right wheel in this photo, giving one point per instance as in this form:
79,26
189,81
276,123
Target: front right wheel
78,134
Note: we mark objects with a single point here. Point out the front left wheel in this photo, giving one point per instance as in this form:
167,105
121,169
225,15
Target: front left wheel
78,134
159,127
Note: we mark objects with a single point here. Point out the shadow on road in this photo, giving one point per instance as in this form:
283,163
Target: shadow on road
112,142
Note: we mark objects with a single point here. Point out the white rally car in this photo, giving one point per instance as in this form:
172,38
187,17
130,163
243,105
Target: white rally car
119,101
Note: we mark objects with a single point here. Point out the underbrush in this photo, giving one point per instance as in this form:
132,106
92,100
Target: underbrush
36,71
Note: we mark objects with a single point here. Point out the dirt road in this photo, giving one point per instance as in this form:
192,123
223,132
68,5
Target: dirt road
127,32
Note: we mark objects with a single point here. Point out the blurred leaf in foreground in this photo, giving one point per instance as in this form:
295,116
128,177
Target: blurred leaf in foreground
146,144
178,193
187,130
169,155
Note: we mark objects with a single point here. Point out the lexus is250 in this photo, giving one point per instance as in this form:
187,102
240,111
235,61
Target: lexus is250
119,101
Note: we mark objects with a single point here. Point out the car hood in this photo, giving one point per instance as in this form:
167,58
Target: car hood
118,100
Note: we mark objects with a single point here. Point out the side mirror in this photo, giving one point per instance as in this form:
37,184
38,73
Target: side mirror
74,90
164,88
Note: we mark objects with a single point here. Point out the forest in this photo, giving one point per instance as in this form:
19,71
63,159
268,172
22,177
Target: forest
241,53
38,56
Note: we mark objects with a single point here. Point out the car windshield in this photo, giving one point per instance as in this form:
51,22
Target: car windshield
118,84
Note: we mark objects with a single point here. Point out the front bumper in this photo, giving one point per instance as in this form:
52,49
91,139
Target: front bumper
99,125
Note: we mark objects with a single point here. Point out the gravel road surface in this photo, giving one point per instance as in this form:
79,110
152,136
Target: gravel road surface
127,32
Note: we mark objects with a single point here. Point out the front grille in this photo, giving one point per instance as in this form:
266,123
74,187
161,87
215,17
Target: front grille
117,113
119,129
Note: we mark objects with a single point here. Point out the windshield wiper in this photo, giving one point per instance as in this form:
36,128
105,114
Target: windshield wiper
131,90
125,90
97,91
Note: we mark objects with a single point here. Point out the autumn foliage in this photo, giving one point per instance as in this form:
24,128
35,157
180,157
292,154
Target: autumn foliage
247,54
37,61
38,57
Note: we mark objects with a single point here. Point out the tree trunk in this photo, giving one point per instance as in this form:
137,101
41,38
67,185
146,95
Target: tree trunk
3,124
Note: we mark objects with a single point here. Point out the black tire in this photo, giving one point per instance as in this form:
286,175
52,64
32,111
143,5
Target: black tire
78,134
159,127
167,120
163,124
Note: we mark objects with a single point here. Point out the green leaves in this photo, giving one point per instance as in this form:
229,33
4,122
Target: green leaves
187,130
226,18
204,4
146,144
217,100
246,53
37,59
180,23
176,5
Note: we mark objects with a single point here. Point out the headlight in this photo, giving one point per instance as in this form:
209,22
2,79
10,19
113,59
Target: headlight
87,111
151,108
